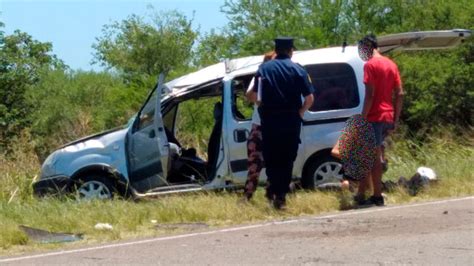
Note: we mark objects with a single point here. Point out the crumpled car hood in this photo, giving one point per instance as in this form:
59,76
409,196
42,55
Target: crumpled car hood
97,135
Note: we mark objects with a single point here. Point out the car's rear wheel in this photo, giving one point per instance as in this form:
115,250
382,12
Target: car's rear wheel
321,170
95,187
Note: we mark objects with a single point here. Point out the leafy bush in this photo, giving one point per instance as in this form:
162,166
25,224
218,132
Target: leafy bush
438,87
138,49
69,105
21,59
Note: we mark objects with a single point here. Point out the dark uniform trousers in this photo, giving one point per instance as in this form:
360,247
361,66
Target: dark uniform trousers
282,85
281,137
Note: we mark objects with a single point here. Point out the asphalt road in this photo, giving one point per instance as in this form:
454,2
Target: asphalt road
432,233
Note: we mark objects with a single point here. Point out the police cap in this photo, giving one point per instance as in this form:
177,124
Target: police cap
284,43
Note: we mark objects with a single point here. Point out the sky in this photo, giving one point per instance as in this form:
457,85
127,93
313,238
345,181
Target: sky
72,25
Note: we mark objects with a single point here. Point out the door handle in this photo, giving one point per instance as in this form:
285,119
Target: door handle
152,134
241,135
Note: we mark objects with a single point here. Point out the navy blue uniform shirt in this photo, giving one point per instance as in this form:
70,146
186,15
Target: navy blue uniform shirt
283,84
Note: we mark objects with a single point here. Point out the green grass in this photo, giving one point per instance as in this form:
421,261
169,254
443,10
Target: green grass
451,160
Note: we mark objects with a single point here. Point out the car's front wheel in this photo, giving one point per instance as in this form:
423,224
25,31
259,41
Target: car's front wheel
321,170
95,187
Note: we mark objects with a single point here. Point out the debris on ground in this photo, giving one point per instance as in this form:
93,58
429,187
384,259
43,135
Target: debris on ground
103,226
13,194
46,237
422,179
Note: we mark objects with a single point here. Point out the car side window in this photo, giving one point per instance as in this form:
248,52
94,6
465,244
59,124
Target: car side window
169,117
147,115
335,87
242,109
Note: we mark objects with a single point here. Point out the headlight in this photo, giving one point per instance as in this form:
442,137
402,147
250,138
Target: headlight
89,144
48,168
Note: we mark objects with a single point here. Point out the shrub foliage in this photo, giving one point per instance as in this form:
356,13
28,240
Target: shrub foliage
54,104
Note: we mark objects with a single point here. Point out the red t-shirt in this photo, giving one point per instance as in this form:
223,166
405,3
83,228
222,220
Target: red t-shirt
382,74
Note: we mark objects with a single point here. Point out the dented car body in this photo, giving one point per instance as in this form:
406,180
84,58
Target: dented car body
145,158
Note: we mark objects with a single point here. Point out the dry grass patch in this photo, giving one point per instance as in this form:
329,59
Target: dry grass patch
452,161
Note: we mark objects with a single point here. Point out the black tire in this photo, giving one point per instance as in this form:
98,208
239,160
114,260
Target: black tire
95,186
320,170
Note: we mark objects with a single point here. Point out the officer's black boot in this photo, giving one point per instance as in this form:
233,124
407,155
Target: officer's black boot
279,202
270,196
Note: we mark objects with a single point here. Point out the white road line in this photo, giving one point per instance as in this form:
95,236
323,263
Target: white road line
240,228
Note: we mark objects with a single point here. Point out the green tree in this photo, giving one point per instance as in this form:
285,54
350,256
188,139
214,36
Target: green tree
213,47
313,23
70,105
254,24
439,87
438,83
139,50
392,16
21,60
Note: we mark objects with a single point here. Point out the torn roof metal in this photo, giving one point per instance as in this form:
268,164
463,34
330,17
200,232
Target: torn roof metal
248,65
211,72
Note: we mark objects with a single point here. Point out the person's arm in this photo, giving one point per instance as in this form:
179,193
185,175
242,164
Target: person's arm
398,99
398,91
251,94
307,91
369,90
368,100
308,102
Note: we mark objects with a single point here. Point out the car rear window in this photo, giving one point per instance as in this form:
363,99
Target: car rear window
335,86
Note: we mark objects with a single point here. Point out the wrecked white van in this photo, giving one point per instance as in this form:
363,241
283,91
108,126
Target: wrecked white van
145,158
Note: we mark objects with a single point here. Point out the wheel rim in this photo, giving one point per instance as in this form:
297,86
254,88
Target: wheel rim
94,190
328,172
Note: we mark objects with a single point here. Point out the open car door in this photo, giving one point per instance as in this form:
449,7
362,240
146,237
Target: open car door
422,40
148,146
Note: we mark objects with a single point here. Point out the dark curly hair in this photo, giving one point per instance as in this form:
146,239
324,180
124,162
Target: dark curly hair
369,39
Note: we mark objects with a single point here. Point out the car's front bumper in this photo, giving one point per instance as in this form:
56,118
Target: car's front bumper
51,185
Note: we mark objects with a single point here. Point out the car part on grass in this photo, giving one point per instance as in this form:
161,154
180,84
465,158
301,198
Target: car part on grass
103,226
422,179
426,173
46,237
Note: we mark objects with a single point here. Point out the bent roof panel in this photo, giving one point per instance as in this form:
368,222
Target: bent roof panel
210,73
249,65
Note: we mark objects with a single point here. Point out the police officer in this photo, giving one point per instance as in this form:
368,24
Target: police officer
282,83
